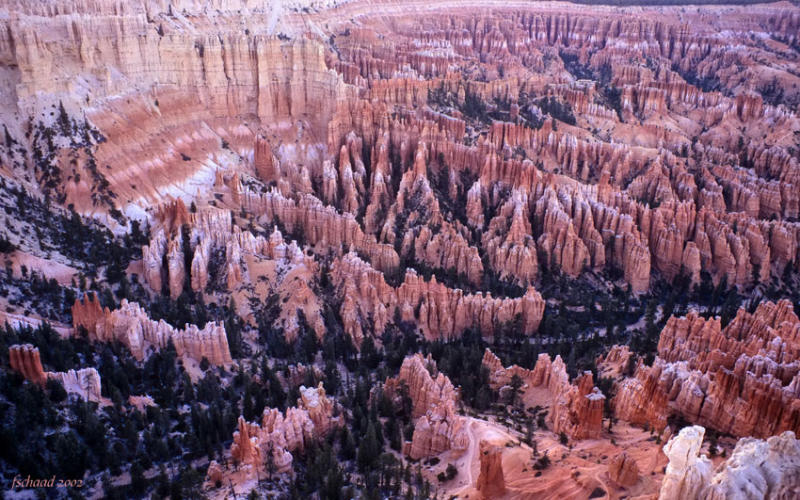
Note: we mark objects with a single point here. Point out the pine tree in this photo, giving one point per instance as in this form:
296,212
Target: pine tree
369,448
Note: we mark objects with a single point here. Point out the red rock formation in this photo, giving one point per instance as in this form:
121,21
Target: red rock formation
25,360
500,376
742,379
623,470
438,427
130,325
491,483
264,161
576,410
614,363
322,226
279,434
440,312
642,399
509,243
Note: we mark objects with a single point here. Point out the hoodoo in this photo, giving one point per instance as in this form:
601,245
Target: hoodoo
400,249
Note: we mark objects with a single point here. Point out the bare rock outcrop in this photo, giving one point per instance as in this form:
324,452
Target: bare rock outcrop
258,447
131,326
756,469
759,469
26,360
623,470
742,379
688,472
438,426
615,362
491,482
576,409
441,312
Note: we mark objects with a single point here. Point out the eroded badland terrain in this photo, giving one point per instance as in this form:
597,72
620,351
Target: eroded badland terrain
399,249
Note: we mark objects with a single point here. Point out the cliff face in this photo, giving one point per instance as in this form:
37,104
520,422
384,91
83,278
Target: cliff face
131,326
85,382
741,379
755,469
266,448
575,409
437,427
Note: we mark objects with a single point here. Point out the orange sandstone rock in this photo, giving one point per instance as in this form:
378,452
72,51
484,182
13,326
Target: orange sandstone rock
491,483
623,470
25,359
438,426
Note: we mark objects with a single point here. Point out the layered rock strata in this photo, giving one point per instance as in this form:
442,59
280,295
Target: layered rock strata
226,259
742,379
440,312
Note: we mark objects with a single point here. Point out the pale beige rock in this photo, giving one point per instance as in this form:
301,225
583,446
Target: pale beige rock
85,382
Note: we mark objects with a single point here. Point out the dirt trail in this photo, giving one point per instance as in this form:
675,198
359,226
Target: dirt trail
471,449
